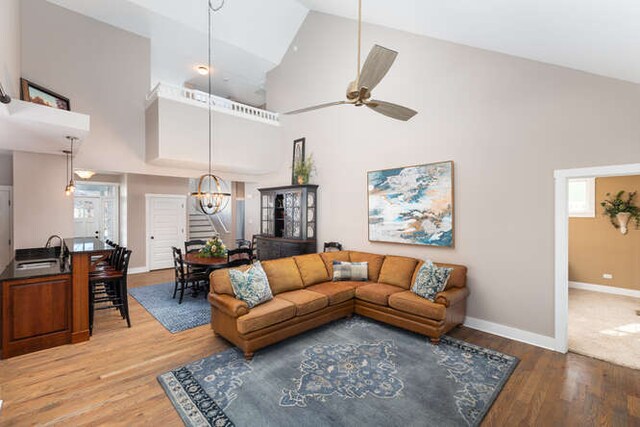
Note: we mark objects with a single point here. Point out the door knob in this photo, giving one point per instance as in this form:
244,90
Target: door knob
152,237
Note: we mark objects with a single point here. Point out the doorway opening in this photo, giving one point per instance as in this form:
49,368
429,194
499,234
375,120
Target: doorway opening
6,226
565,266
96,210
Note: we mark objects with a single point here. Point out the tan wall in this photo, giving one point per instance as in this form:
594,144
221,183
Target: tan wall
6,169
40,207
137,186
596,247
506,122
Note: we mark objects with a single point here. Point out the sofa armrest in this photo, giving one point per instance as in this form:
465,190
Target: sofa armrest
452,296
228,304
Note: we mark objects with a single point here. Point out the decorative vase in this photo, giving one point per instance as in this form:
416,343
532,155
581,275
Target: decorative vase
623,220
301,179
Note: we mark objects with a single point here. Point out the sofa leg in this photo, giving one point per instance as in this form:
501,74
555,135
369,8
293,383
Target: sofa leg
434,340
349,316
248,356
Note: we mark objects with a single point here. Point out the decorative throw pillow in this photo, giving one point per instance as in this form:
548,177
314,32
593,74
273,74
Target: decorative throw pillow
430,280
356,271
251,286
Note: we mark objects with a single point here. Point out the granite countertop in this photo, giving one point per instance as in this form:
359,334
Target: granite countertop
59,267
78,245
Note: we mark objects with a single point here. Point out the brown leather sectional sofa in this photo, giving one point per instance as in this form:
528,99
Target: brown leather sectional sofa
305,297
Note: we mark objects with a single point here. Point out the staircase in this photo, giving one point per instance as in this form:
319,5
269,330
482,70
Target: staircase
203,227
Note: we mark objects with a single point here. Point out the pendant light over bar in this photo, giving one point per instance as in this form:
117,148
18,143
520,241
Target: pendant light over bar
211,196
71,187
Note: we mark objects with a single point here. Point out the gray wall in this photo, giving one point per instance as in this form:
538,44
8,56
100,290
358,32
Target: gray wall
137,186
506,122
6,169
10,46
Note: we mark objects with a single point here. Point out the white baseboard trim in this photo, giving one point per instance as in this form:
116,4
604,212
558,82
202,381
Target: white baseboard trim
138,270
512,333
605,289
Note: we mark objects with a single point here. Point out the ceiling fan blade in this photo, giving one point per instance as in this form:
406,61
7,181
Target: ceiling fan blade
376,66
315,107
394,111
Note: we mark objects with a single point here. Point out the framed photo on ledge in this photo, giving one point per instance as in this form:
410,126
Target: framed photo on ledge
298,157
412,205
32,92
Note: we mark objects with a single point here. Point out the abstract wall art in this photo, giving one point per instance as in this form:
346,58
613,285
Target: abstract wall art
412,205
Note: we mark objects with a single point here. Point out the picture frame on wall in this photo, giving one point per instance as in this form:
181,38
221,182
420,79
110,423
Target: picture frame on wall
412,205
298,157
31,92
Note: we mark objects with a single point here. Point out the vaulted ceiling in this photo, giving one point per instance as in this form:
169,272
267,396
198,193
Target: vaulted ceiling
252,36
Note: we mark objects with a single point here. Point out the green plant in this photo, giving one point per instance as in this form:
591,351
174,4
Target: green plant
614,206
214,248
305,169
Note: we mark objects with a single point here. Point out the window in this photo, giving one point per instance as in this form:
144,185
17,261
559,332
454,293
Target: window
582,197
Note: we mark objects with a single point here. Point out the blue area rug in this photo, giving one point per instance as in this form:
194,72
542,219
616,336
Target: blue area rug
352,372
156,299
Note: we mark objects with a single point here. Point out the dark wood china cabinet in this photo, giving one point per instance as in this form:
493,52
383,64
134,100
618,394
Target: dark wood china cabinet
287,221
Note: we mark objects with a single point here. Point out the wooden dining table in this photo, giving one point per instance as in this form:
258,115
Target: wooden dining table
210,263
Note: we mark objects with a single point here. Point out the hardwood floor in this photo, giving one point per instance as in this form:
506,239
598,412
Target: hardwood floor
111,380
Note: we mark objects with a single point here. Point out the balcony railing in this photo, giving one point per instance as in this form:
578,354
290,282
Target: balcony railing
222,105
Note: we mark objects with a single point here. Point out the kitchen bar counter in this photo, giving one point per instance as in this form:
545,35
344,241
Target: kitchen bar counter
14,272
45,297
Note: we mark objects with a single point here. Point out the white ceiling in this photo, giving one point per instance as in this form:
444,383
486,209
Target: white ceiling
252,36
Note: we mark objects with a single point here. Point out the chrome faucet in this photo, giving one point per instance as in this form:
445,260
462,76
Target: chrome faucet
55,236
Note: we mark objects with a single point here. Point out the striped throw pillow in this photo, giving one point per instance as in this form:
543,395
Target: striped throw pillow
354,271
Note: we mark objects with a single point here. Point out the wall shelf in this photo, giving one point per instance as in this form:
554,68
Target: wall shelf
26,126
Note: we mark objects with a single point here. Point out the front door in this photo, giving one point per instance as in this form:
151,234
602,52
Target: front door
6,251
87,217
166,220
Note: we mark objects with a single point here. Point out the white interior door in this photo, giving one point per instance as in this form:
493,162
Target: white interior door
6,246
87,217
166,221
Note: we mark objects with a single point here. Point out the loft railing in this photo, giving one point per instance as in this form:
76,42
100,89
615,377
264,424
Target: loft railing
199,98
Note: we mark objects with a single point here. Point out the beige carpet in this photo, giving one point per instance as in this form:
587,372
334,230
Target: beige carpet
605,326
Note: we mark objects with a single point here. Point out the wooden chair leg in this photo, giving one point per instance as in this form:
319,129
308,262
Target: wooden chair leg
125,301
91,306
182,286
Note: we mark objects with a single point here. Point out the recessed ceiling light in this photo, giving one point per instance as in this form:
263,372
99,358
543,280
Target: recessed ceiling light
203,70
85,174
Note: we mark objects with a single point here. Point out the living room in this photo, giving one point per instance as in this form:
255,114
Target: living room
505,105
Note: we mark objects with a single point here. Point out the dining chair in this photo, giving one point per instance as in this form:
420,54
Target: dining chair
191,246
243,243
254,247
240,256
183,278
332,246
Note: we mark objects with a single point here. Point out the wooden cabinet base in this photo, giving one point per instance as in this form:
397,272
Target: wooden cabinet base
36,314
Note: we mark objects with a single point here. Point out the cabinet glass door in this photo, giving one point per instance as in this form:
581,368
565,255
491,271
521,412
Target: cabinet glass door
293,215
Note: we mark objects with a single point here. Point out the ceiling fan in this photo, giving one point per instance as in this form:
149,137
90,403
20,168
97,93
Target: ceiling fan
376,66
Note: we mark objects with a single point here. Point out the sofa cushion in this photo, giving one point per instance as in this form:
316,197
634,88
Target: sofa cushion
329,257
411,303
430,280
305,301
398,271
220,281
374,262
312,269
251,286
377,293
350,271
283,275
271,312
337,292
356,285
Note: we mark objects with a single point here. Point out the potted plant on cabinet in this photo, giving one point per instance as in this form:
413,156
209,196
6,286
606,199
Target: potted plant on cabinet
621,210
304,169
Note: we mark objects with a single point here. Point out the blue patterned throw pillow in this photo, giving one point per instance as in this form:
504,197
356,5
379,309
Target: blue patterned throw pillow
251,286
355,271
430,280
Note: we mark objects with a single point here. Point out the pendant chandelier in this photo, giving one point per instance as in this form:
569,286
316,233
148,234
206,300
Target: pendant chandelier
212,196
71,186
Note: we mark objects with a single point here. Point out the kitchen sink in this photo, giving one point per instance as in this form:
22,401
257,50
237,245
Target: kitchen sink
35,264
